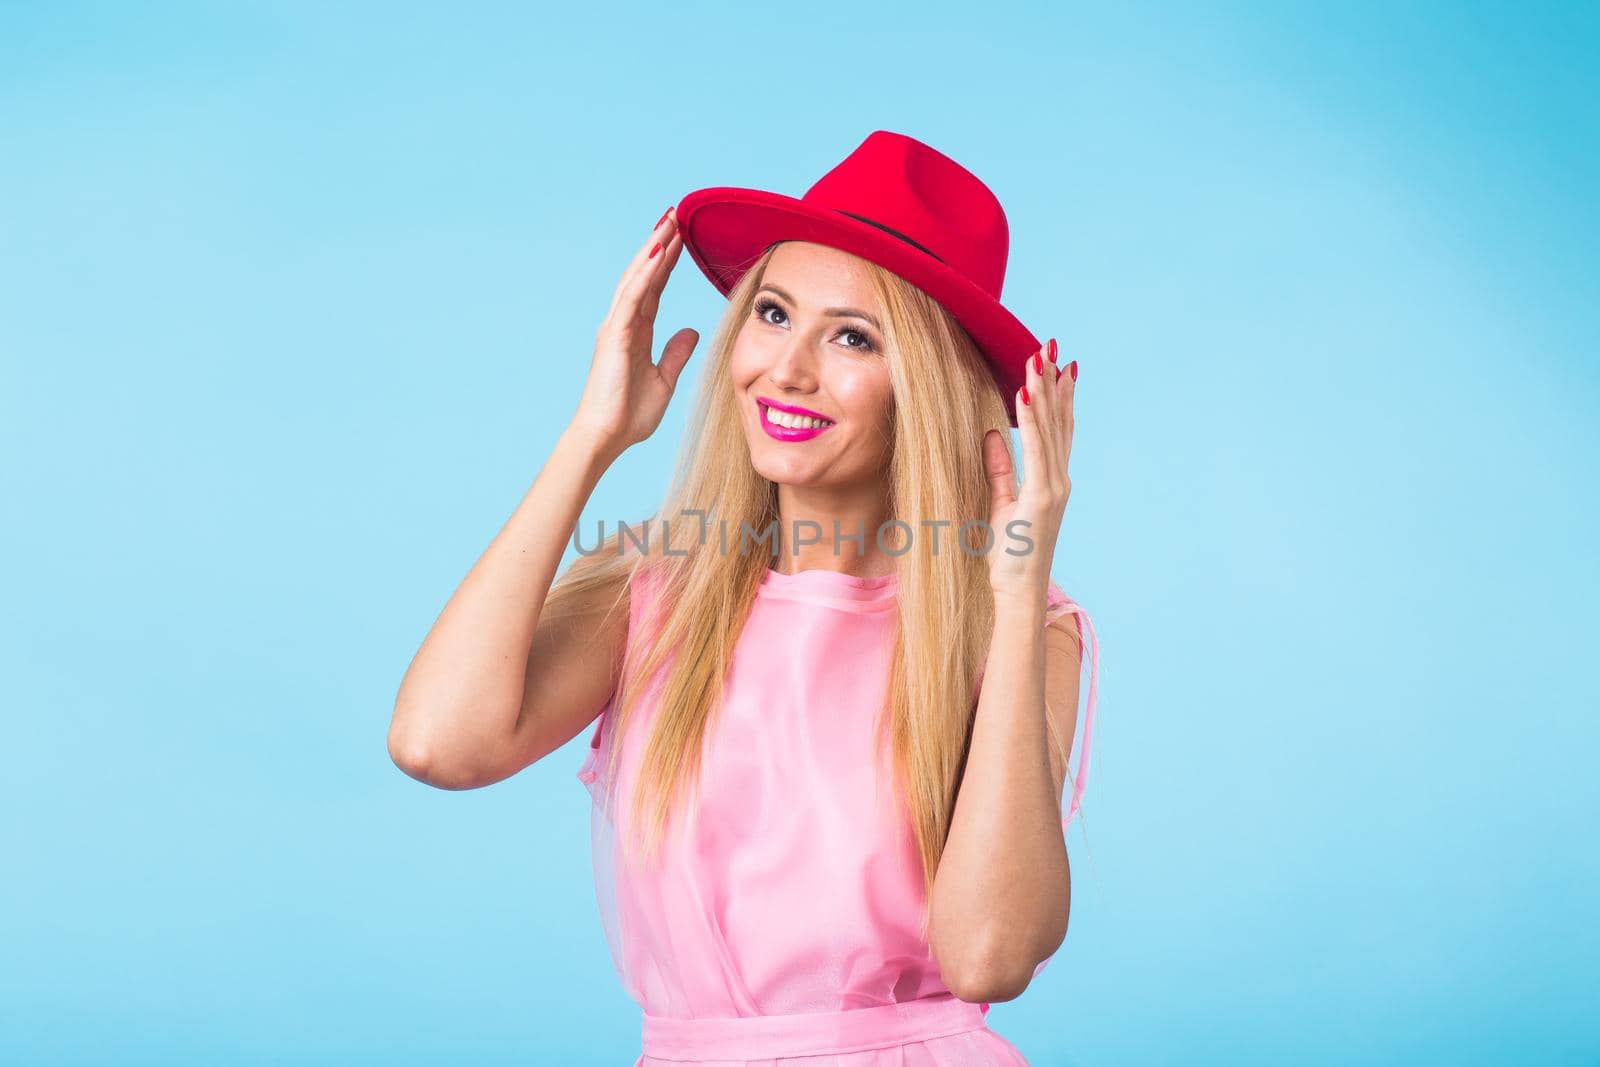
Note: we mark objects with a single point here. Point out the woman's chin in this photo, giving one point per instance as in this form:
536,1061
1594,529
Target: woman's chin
774,466
784,474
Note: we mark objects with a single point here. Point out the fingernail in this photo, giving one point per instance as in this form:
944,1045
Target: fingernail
662,219
1052,350
1038,363
1072,369
653,252
1025,399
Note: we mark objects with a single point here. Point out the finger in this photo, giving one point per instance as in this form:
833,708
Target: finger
1066,389
663,228
633,262
636,302
997,465
1044,398
656,276
640,266
1044,377
676,353
1028,424
643,258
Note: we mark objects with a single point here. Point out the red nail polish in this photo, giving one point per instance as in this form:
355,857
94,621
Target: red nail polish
1072,368
653,252
662,219
1052,350
1038,363
1025,399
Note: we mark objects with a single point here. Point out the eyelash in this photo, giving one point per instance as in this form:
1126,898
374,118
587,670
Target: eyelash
765,304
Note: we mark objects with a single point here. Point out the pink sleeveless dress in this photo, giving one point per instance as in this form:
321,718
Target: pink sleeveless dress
778,925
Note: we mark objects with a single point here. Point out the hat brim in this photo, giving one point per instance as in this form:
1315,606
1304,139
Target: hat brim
726,229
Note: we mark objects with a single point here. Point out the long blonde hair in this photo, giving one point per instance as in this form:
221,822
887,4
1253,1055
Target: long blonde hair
945,401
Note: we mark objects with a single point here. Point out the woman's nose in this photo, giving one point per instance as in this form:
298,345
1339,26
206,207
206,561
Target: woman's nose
794,365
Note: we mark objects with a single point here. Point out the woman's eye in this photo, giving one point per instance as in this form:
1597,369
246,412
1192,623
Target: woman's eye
765,308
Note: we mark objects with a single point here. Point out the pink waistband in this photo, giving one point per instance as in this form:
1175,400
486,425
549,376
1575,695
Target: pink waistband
809,1033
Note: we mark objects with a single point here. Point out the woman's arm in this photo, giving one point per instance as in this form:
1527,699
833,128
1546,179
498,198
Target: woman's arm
1003,888
477,705
493,688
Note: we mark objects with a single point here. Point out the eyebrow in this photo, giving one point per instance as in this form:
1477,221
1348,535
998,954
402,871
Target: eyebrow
838,312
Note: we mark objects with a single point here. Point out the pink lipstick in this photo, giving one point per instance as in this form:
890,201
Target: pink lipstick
790,433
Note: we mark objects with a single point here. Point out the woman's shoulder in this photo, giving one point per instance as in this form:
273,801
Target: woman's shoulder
1056,601
1063,612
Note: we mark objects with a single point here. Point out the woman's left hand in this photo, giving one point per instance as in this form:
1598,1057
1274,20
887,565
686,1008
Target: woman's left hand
1044,421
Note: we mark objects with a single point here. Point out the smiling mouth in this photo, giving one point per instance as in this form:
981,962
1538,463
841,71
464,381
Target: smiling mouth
784,426
791,422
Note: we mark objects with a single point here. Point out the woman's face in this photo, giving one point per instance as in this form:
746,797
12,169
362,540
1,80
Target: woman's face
812,342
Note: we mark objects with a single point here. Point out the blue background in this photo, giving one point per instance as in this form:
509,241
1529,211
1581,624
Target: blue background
294,302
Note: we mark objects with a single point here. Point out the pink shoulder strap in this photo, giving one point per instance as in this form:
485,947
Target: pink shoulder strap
1082,780
1058,604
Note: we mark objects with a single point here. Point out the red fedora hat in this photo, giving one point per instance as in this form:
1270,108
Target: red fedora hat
898,203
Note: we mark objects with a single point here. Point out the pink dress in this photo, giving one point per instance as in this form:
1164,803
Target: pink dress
778,927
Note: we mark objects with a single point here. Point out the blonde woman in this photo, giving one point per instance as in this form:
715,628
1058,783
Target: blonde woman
832,687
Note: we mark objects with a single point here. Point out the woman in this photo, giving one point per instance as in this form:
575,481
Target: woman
785,669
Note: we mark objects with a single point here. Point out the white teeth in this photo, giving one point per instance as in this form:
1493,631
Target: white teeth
793,422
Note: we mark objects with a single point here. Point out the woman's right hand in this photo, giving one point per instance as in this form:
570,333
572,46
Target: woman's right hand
627,392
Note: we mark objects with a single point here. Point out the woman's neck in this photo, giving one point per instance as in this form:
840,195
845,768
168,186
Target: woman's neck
832,529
